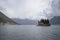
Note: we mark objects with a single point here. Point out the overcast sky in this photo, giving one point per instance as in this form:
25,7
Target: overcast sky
31,9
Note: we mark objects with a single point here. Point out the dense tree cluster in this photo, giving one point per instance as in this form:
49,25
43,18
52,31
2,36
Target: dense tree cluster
44,21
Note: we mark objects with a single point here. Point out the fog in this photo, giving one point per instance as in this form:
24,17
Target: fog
30,9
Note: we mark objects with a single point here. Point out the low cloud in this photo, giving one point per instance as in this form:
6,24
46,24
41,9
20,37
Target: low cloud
31,9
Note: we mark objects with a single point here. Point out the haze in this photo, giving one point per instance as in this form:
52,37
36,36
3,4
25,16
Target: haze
30,9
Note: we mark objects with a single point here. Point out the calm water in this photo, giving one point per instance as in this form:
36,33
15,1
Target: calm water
29,32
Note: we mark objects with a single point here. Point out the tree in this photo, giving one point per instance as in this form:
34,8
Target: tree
45,21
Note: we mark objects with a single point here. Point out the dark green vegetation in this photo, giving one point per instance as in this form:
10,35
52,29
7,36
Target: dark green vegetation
5,20
44,22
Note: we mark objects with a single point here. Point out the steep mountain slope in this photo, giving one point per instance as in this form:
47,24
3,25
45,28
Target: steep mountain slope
55,20
5,19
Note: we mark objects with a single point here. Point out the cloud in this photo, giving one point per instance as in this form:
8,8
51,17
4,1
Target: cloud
55,8
31,9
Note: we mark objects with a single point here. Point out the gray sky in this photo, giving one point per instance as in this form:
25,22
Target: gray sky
31,9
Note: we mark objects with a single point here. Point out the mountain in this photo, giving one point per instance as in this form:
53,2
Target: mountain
55,20
25,21
5,19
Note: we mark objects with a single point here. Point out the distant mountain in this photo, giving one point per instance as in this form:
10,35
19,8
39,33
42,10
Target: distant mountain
25,21
5,19
55,20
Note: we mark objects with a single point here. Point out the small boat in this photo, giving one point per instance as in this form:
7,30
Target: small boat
44,22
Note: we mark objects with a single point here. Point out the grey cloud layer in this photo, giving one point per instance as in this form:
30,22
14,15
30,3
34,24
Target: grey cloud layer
32,9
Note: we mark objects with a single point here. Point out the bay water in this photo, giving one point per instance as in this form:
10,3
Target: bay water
29,32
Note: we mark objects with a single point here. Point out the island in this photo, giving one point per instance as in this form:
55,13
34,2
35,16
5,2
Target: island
43,22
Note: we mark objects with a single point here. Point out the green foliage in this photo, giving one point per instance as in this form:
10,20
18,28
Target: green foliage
45,21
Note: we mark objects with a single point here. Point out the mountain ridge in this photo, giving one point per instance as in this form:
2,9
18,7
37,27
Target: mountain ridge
25,21
5,19
55,20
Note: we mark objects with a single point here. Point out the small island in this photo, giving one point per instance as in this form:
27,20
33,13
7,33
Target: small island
43,22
